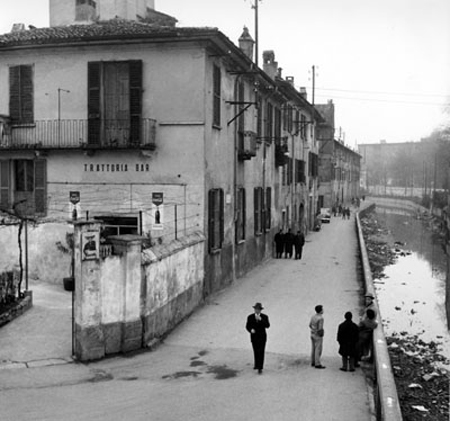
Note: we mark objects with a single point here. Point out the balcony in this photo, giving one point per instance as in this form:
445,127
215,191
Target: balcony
246,145
78,134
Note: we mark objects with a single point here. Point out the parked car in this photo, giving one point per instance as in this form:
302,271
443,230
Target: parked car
325,215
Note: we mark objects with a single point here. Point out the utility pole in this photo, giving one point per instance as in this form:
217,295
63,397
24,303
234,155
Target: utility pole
313,83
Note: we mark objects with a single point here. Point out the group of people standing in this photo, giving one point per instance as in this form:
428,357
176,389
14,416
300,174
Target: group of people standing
287,242
355,341
339,210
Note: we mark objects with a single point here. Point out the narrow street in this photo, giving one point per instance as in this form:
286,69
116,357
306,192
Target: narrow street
203,370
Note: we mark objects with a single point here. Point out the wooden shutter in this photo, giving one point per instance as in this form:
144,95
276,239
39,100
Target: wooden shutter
4,184
14,94
40,186
135,67
211,204
268,207
94,103
27,100
244,213
222,216
216,95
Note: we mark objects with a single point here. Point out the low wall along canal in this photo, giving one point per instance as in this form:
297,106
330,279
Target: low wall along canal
409,265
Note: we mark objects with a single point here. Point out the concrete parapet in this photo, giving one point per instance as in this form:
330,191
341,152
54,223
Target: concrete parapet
387,403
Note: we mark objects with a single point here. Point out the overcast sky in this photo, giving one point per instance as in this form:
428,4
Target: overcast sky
385,63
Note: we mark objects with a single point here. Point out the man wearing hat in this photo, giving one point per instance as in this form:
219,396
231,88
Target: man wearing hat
257,323
369,303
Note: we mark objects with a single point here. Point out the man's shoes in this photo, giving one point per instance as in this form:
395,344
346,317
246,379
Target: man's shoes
320,366
344,369
254,368
313,365
352,369
260,371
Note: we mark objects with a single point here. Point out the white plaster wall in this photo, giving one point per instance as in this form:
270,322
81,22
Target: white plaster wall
46,263
112,281
173,275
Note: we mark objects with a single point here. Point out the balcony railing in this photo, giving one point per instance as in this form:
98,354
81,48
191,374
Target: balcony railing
78,134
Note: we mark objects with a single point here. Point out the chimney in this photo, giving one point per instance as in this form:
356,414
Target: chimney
246,43
280,72
290,79
17,27
303,92
270,66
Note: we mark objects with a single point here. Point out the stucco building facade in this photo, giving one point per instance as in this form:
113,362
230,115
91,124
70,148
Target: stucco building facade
155,130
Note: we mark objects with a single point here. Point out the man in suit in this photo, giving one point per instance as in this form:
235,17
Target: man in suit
299,242
257,323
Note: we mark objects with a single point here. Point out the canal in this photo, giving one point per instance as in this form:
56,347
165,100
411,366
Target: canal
412,293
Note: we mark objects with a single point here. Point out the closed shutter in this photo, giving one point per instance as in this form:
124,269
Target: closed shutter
268,207
94,110
21,101
4,184
135,101
26,76
244,212
211,220
222,217
40,186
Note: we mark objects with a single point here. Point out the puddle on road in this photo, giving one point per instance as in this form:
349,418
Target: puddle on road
222,372
182,374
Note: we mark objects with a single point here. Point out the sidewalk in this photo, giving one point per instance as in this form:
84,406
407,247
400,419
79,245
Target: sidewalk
203,370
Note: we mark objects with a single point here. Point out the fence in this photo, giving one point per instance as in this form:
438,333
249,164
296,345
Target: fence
386,398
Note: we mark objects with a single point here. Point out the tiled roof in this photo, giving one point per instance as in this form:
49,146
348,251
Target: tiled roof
105,30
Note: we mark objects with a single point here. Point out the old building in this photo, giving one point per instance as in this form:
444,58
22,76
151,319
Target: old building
340,166
114,113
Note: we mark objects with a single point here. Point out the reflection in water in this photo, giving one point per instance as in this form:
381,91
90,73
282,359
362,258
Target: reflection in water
412,296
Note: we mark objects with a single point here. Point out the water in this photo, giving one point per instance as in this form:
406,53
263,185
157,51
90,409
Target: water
412,295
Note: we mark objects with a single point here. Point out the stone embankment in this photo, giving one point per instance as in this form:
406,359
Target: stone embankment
422,382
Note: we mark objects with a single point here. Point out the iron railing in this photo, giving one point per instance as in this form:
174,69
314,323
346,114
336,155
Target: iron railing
76,134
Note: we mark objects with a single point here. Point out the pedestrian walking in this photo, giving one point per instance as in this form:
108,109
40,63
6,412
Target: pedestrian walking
347,336
257,323
289,244
299,242
279,243
317,333
365,335
344,212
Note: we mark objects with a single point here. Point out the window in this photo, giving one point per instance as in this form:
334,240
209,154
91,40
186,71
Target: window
21,91
313,164
258,206
115,102
23,186
118,225
85,10
241,215
300,171
241,118
277,125
269,122
289,171
215,219
259,114
216,96
268,215
303,127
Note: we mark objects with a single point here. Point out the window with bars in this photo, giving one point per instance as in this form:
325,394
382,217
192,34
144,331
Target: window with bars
241,215
21,94
258,206
216,96
215,219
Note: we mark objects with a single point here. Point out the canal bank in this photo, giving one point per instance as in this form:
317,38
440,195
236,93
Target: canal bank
406,303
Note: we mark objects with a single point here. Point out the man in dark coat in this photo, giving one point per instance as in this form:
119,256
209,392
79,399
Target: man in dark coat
257,323
288,244
279,243
299,242
347,336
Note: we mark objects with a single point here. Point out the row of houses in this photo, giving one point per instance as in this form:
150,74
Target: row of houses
115,113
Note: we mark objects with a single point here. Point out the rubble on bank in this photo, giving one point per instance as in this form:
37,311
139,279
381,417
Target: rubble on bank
420,372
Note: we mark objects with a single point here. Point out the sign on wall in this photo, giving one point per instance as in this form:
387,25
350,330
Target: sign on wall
74,208
157,213
90,245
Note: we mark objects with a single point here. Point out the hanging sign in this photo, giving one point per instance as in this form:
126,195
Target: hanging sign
157,213
74,208
90,245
